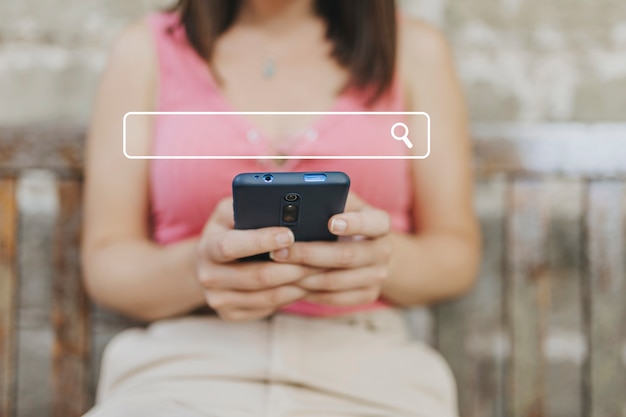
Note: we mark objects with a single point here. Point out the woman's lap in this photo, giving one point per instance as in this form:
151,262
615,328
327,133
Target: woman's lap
363,364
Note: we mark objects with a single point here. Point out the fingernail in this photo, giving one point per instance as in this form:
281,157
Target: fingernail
338,225
280,254
285,238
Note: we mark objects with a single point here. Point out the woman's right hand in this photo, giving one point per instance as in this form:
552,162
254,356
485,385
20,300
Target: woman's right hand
240,291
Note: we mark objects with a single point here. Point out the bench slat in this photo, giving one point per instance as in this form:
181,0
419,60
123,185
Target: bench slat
70,310
469,330
564,346
37,208
606,230
597,150
525,230
544,316
8,291
567,150
54,148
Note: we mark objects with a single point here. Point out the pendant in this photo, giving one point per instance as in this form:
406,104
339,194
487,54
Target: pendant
269,69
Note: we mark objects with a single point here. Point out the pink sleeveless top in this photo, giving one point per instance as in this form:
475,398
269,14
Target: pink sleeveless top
184,193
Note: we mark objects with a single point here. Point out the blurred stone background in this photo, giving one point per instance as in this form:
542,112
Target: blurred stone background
520,60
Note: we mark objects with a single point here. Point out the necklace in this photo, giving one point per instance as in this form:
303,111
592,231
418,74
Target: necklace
269,68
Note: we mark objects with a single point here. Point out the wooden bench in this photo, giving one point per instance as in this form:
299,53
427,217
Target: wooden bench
543,333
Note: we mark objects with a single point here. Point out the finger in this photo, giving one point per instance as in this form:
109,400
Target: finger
354,202
252,275
245,315
344,279
235,244
345,298
224,213
368,222
254,300
351,254
222,219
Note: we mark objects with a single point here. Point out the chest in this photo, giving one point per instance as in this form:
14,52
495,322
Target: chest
278,75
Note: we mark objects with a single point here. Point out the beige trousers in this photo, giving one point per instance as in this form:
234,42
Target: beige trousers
363,364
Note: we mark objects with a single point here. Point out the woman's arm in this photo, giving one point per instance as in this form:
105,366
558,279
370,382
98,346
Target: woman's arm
440,260
123,269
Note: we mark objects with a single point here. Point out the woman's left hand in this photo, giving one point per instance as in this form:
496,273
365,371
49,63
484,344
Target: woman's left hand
355,266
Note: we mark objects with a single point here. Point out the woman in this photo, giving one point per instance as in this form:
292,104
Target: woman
318,330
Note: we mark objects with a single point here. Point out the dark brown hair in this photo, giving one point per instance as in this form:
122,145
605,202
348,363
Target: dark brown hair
363,33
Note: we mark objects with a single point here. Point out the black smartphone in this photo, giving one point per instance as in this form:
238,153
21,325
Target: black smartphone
301,201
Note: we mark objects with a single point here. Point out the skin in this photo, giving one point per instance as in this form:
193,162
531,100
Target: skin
126,271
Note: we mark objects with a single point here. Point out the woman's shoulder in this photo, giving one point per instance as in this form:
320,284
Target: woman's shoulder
134,44
132,60
421,42
423,52
138,40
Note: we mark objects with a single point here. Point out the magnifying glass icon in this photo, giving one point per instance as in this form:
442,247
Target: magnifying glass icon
404,137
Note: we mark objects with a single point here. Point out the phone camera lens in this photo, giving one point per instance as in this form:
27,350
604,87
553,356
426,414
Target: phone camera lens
268,178
290,213
291,197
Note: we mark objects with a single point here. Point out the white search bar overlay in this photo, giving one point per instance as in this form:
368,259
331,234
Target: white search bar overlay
277,135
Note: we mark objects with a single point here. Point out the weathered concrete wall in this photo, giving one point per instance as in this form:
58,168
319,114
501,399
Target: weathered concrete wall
537,60
52,52
527,60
